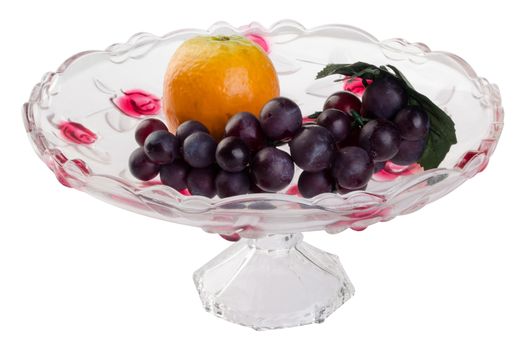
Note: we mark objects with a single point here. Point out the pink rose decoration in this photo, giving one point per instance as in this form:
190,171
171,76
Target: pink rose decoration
392,171
355,85
137,103
259,40
231,238
77,133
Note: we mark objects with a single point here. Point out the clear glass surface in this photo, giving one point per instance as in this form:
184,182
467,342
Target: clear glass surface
81,119
273,282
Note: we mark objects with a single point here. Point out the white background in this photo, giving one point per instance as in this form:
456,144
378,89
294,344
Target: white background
76,273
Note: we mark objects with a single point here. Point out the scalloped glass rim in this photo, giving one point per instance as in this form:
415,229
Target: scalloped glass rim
362,208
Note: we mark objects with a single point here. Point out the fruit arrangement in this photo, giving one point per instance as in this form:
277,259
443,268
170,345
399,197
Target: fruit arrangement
233,151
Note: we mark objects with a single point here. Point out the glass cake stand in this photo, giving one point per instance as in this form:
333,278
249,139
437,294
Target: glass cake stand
81,119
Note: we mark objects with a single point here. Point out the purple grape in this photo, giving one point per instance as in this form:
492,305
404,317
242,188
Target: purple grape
201,181
343,101
312,149
146,127
188,128
337,122
413,123
141,166
380,138
272,169
311,184
409,152
352,168
232,184
232,154
174,174
280,119
246,126
199,150
162,147
384,98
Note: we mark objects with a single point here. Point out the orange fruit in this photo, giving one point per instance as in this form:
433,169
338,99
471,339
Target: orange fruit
211,78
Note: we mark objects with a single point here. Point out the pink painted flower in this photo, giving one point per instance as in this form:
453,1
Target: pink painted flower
306,120
82,166
231,238
137,103
77,133
392,171
258,39
355,85
293,190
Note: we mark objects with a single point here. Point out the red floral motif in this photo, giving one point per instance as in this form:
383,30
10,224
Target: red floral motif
231,238
258,39
355,85
83,167
185,192
137,103
306,120
392,171
293,190
77,133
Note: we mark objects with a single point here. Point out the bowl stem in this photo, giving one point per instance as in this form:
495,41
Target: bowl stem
273,282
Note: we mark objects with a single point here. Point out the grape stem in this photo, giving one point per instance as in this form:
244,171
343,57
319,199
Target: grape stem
358,119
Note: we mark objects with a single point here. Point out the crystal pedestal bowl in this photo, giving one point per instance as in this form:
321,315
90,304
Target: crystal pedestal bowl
81,120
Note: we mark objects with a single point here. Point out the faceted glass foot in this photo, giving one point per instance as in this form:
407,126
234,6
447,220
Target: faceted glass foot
273,282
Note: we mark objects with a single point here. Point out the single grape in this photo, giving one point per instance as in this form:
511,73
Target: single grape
384,98
146,127
337,122
141,166
312,149
201,181
409,152
272,169
174,174
380,138
413,123
246,126
311,184
343,101
188,128
232,184
280,118
352,168
162,147
199,150
232,154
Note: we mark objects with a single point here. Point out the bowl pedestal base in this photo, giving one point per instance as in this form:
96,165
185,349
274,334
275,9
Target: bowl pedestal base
273,282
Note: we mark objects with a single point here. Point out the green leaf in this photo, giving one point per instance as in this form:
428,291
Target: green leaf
330,69
441,132
358,69
400,75
358,119
314,115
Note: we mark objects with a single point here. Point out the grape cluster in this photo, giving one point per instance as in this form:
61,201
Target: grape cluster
353,138
245,160
350,140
